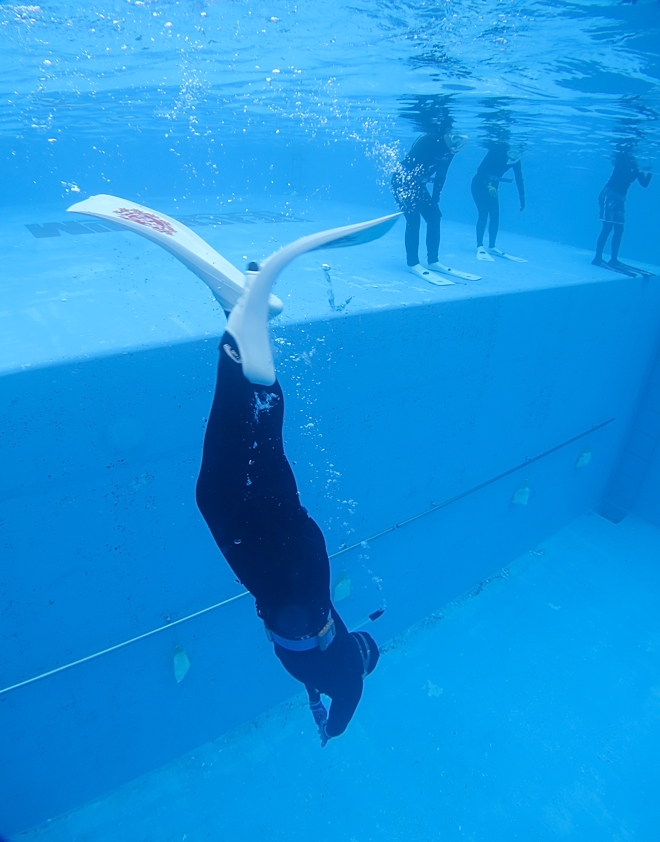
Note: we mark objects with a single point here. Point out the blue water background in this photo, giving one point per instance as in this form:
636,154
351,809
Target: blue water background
400,398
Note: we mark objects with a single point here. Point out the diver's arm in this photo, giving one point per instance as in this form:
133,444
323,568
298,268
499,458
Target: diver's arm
520,184
313,693
440,178
343,706
644,178
438,184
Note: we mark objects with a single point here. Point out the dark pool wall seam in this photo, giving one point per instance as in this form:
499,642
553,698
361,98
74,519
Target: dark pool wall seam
401,407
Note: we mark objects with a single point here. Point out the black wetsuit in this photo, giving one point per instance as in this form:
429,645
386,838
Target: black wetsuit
428,159
484,191
247,495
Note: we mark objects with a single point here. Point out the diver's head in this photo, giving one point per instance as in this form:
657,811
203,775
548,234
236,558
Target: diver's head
440,127
514,153
368,651
455,142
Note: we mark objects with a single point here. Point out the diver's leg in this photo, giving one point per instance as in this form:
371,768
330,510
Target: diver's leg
405,190
616,243
482,219
432,216
481,200
412,244
605,232
244,471
494,223
412,236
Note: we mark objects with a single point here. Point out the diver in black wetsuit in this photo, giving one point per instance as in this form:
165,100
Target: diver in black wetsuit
248,497
429,159
246,490
498,160
247,494
612,206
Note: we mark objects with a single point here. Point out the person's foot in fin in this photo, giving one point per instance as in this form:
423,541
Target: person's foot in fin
482,254
607,264
616,264
499,253
248,325
248,320
420,271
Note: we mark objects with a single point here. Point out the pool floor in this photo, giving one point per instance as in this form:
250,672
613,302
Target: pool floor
528,710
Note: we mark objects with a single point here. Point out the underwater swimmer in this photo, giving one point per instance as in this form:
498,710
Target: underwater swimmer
246,490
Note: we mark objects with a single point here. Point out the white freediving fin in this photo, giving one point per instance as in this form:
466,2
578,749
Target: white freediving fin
427,275
248,321
500,253
225,280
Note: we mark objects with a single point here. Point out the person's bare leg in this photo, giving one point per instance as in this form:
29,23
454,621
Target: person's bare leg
605,232
616,243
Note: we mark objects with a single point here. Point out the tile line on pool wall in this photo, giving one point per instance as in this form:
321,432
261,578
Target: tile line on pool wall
434,507
341,551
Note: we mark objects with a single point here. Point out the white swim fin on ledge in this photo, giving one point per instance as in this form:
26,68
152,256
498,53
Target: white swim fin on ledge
248,321
225,280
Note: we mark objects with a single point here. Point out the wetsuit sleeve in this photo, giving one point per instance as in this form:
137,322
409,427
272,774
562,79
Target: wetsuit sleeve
313,693
441,176
520,184
343,706
644,178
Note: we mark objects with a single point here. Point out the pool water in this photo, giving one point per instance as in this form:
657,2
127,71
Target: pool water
482,455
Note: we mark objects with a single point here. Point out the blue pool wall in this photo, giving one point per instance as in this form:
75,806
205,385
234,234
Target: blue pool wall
562,185
388,412
637,480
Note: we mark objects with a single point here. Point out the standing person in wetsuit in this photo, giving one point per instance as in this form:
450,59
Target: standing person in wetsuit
612,207
499,159
429,159
248,497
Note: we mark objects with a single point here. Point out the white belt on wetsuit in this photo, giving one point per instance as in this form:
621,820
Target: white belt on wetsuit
303,644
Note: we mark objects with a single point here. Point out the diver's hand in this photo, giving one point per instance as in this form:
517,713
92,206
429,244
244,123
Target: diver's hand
319,712
323,733
320,715
523,205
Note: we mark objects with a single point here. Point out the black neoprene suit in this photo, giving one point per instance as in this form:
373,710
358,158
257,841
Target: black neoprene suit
429,158
248,497
484,190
